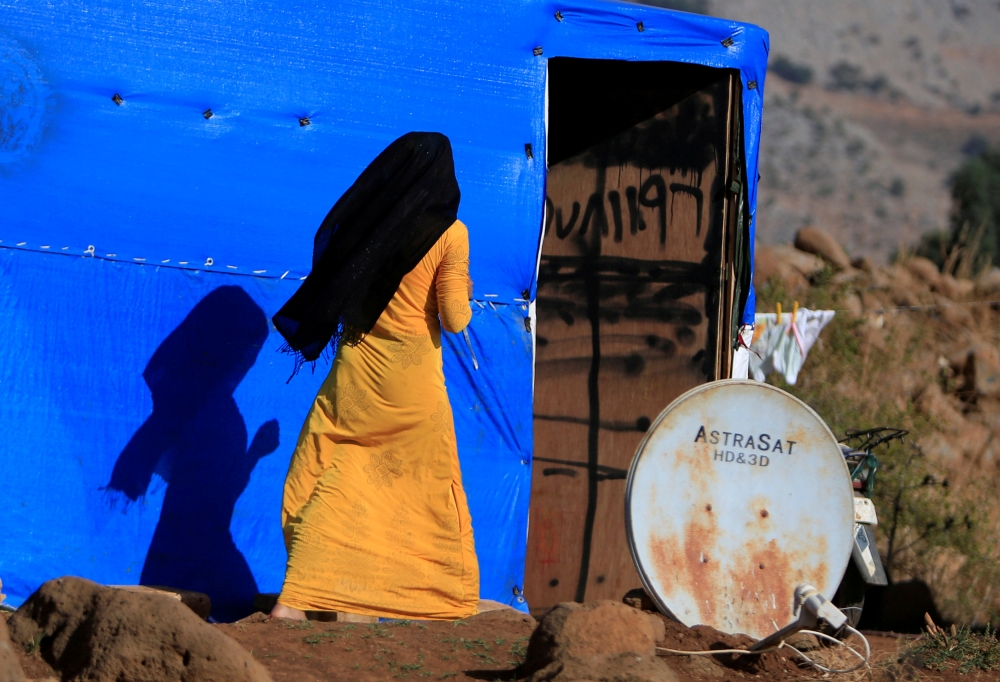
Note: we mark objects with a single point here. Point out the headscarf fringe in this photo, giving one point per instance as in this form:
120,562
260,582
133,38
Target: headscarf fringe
350,336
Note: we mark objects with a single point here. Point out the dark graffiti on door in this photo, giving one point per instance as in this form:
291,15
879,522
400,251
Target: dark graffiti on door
627,300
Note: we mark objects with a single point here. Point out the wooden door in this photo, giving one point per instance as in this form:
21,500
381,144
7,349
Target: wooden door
628,318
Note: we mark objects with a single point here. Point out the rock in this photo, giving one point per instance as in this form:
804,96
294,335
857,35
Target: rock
848,276
820,242
803,641
199,602
10,668
504,617
954,315
852,302
933,403
638,599
903,296
87,631
768,267
955,289
989,283
602,641
804,263
924,271
979,369
902,277
864,263
972,439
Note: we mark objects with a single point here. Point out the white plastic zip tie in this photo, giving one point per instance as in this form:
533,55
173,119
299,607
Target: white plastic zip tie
468,342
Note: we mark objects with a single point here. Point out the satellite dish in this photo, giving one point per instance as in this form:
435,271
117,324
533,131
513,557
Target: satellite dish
738,494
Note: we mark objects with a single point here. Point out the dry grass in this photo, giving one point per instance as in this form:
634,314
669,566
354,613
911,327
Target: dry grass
939,515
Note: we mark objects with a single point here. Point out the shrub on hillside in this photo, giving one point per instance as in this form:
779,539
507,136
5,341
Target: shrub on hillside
786,69
973,240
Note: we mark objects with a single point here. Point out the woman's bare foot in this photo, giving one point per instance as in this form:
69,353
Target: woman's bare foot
282,611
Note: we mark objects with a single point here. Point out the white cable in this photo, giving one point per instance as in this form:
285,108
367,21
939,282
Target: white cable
864,659
712,652
863,663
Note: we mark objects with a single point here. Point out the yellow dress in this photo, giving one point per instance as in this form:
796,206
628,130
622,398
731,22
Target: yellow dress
375,517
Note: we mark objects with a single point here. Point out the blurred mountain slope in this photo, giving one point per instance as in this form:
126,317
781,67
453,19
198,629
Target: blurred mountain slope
869,108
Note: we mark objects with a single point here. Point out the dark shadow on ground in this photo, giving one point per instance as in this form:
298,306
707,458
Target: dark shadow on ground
196,441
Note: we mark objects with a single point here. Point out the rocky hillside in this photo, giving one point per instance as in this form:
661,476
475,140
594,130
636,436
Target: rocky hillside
869,107
915,349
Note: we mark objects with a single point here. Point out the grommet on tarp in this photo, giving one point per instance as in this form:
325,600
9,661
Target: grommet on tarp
559,16
537,51
90,251
752,85
209,262
117,99
640,27
527,151
304,121
518,594
207,114
728,42
526,295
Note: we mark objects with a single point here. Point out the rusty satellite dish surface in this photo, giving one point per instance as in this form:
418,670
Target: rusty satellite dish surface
738,494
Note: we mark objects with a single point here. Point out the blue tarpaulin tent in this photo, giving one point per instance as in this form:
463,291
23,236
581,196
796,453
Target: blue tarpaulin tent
163,167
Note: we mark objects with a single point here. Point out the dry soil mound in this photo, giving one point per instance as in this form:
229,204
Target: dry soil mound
605,641
10,668
89,632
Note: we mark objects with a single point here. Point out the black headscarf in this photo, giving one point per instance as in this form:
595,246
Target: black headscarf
376,233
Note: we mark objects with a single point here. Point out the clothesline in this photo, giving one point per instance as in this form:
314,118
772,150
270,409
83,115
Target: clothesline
929,306
916,308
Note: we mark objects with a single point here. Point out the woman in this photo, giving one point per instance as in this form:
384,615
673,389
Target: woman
375,518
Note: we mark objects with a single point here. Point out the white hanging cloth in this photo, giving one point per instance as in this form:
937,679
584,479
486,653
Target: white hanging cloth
782,345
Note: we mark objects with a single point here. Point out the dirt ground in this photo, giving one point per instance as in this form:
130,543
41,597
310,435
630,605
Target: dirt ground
491,646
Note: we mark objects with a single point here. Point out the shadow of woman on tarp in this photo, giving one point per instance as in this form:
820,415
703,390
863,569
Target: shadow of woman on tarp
196,441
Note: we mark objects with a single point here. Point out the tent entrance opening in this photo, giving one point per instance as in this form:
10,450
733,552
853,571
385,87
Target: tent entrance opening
634,298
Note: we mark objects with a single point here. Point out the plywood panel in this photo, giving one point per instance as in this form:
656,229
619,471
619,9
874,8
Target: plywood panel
627,321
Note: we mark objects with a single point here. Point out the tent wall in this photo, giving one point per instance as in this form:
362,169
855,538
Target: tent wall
127,228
